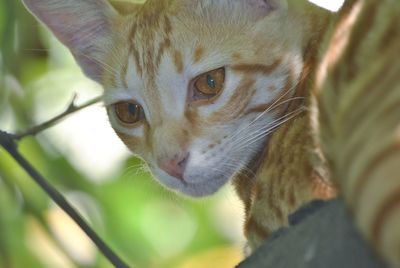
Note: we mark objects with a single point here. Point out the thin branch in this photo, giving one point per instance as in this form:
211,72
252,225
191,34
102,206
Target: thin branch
7,141
72,108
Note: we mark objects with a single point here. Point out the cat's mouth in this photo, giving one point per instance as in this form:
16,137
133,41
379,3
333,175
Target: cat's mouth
199,185
198,175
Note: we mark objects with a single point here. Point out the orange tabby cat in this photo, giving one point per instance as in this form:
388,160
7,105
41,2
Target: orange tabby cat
198,89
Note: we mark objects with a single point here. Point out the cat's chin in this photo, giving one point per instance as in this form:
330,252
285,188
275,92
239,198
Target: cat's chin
200,188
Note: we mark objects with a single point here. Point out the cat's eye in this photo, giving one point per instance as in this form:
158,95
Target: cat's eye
128,113
210,84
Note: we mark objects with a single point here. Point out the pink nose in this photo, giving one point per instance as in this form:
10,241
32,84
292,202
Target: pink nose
175,167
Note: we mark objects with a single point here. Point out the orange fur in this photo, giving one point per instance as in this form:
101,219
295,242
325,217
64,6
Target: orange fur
323,86
357,113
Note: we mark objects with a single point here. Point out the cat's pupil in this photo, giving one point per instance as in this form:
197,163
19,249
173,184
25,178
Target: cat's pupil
210,81
132,108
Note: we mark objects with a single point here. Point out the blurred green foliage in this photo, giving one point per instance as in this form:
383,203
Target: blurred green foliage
144,223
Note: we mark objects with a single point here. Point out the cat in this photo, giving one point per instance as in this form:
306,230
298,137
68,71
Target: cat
212,91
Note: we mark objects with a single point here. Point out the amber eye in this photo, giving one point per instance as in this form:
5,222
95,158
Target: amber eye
128,112
211,83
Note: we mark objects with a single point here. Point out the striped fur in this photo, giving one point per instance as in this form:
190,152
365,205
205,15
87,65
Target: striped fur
177,45
354,132
291,170
295,118
357,113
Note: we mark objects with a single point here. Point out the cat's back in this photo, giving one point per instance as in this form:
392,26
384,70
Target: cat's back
358,96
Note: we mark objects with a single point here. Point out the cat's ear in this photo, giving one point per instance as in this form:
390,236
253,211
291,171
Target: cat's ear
84,26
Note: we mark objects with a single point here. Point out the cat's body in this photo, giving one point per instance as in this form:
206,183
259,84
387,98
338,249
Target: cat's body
356,102
210,91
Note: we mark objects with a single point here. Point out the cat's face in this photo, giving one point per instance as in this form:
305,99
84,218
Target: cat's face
192,92
194,87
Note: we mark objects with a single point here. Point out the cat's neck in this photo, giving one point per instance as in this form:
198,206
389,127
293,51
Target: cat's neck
291,157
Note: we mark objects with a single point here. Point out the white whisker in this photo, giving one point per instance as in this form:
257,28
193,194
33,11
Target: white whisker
263,128
136,170
274,105
106,67
267,131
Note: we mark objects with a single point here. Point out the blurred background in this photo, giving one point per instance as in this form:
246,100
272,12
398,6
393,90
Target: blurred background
82,157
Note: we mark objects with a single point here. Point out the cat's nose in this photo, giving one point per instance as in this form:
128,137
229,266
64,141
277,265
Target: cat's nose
175,166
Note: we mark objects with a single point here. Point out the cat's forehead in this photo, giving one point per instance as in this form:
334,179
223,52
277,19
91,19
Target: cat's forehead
182,38
158,19
168,45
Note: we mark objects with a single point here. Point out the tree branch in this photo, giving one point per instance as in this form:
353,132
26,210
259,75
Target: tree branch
7,141
72,108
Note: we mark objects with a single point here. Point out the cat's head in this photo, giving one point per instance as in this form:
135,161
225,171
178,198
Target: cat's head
192,87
